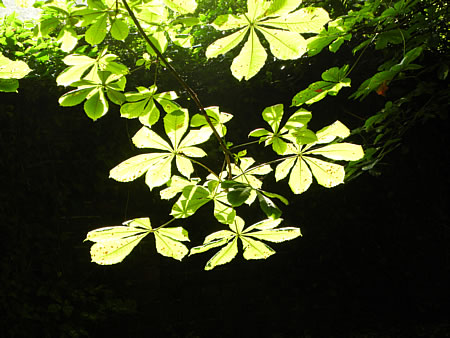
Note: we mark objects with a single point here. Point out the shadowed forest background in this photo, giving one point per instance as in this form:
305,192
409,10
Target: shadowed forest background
374,259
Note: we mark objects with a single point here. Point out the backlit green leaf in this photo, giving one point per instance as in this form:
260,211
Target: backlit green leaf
191,199
331,132
113,244
254,249
224,45
96,33
169,247
114,251
178,233
268,206
147,138
135,166
159,173
327,174
251,58
208,246
184,166
273,115
119,29
340,151
225,255
12,69
300,178
305,20
283,7
266,224
182,6
9,85
96,105
68,39
239,196
175,125
276,235
175,186
284,45
74,97
194,137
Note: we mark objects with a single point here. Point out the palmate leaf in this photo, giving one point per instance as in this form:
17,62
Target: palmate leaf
253,248
273,116
277,23
113,244
142,104
158,165
302,166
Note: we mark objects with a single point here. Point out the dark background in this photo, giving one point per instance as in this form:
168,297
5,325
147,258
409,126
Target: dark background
373,260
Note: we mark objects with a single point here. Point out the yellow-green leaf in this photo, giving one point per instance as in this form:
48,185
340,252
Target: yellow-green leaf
251,58
114,251
329,133
10,69
264,225
300,178
135,166
195,137
221,234
305,20
340,151
147,138
97,32
225,255
184,166
177,233
254,249
68,39
119,29
74,97
327,174
175,125
282,169
276,235
284,45
208,246
224,45
159,173
175,186
182,6
96,105
169,247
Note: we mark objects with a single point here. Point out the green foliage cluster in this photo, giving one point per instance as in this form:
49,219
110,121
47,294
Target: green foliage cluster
87,32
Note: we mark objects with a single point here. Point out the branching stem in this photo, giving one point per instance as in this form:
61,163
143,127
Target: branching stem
183,83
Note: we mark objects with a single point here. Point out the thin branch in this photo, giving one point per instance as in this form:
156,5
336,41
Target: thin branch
177,76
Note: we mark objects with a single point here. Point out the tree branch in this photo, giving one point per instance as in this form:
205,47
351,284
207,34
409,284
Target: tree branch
177,76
